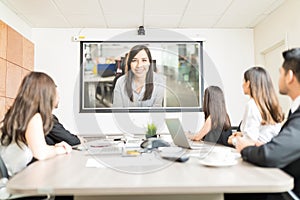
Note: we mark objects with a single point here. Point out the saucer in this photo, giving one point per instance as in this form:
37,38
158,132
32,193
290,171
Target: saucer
218,163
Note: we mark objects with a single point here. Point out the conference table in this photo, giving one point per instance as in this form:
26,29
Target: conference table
146,176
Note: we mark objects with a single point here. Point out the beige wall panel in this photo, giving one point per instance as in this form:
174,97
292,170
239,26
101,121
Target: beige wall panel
16,61
8,103
24,73
13,79
3,39
28,54
14,47
2,107
2,77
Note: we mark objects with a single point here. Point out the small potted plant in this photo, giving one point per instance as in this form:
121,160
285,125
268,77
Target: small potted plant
151,131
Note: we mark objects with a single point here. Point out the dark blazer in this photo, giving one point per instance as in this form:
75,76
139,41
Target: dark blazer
59,134
283,151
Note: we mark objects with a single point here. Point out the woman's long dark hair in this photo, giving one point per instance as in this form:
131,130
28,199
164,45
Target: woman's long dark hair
214,106
263,93
129,76
36,94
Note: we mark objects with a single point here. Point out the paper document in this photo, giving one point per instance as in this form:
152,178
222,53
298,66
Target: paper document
91,162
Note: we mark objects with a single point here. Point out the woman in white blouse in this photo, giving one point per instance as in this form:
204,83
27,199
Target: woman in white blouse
263,114
27,121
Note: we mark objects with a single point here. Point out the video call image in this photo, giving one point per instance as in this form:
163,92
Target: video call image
118,76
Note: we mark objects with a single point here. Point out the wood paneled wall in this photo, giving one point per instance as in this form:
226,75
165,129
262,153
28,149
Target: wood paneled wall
16,60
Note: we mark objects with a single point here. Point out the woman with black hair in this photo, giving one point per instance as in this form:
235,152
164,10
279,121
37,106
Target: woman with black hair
217,126
140,86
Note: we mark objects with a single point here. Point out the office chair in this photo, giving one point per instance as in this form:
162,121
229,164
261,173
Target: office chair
293,170
4,193
290,195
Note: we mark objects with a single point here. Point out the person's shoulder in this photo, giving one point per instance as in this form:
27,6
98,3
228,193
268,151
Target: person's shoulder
36,120
295,114
119,82
121,79
36,117
297,111
251,104
251,101
253,109
208,118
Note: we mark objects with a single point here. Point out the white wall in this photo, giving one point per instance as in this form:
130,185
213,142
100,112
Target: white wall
278,32
14,21
282,25
228,53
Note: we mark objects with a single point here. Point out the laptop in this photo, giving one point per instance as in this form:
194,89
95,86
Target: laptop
178,135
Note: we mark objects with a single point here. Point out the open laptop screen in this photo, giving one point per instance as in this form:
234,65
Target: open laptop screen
177,132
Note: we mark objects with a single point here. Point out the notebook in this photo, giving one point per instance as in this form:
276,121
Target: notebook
178,135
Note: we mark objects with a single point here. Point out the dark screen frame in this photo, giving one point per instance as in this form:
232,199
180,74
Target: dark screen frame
141,110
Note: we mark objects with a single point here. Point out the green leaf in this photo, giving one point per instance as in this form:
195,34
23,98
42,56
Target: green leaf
151,129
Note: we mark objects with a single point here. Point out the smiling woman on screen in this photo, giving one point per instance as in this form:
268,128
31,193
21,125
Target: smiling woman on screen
140,86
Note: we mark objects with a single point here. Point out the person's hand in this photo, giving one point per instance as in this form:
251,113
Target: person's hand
258,143
81,139
233,135
230,138
242,142
189,135
238,134
63,147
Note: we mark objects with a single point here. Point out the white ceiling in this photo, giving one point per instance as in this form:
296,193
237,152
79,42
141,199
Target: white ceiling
150,13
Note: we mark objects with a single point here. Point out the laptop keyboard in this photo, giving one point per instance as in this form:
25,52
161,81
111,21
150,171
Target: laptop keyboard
196,144
109,150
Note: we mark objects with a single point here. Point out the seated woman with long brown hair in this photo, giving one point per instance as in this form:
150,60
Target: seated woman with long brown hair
217,126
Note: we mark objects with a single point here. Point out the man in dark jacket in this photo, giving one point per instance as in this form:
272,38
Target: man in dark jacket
59,133
283,151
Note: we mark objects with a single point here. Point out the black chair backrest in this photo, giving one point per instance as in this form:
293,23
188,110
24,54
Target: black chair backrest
3,169
293,170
